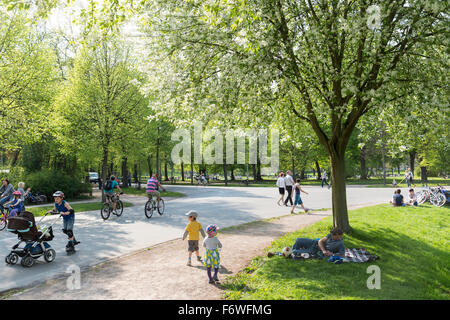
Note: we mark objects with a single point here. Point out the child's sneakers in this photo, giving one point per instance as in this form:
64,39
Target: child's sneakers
189,262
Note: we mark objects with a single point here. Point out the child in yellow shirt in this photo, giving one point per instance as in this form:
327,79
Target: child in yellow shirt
193,230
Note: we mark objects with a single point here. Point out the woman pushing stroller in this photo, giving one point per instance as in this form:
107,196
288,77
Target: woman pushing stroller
63,207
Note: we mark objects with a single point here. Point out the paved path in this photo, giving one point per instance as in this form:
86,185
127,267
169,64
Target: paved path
102,240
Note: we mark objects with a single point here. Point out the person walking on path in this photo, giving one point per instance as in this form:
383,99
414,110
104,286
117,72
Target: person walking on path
281,188
212,256
408,177
298,199
193,230
289,183
324,179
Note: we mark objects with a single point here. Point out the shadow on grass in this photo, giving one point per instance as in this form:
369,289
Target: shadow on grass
410,269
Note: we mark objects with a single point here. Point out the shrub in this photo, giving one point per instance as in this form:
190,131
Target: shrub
48,181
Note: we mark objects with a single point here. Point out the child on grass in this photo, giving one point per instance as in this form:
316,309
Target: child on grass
193,229
212,256
298,199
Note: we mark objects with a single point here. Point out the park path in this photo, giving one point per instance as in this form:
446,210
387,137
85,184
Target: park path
105,240
160,272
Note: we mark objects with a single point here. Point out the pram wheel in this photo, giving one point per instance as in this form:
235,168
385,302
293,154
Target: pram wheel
27,262
49,255
12,258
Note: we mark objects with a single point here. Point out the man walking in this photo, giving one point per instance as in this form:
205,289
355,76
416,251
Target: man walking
324,179
408,177
289,182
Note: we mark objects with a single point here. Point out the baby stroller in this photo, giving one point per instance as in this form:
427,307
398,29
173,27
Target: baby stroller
33,243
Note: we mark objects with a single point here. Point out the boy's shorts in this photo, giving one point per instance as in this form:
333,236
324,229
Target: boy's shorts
297,200
193,245
68,223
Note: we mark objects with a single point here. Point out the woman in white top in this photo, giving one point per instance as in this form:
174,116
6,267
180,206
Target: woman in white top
281,186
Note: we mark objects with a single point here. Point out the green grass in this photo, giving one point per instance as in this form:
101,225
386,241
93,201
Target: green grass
81,207
412,243
142,192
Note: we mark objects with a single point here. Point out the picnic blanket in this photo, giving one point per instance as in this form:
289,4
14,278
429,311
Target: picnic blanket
358,255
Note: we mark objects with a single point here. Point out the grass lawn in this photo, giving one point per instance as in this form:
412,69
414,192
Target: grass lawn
80,207
142,192
413,245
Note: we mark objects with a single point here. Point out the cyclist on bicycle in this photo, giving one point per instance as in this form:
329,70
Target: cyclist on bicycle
152,186
110,185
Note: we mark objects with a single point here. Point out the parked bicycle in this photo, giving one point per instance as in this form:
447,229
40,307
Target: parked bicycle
433,195
35,198
201,180
152,206
108,207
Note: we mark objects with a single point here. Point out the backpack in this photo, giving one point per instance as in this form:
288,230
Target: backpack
108,185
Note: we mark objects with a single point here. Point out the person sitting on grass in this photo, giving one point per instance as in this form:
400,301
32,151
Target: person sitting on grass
331,245
412,198
397,199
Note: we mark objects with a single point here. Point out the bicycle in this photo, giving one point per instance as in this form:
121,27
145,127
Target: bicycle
4,219
433,195
200,181
152,205
107,207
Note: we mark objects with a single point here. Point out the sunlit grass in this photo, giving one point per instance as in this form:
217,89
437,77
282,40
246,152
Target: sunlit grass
412,243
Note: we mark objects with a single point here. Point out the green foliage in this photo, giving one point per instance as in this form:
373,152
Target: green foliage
48,181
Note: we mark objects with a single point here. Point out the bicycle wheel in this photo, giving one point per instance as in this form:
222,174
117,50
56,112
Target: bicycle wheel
105,211
119,208
161,207
437,199
3,222
149,209
421,197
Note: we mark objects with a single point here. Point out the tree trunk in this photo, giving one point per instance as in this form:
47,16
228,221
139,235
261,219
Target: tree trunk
166,176
124,172
182,171
139,176
302,174
149,164
383,161
232,173
104,173
362,162
258,170
254,172
412,158
319,173
339,196
293,166
225,174
135,173
15,157
423,172
192,172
